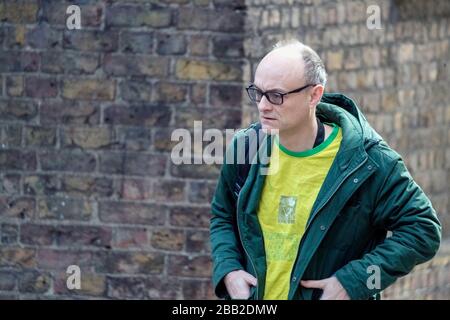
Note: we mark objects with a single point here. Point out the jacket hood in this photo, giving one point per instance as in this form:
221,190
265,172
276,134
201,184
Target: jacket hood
340,109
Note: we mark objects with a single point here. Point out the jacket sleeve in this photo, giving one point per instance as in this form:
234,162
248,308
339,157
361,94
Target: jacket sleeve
225,243
404,209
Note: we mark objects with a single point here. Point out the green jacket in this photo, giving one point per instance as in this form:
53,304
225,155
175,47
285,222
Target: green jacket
367,192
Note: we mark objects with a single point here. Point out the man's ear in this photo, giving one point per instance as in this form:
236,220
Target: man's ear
316,95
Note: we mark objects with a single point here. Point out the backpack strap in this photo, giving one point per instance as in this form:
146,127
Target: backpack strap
244,169
369,143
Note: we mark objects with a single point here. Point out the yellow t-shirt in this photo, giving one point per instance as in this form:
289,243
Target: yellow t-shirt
286,201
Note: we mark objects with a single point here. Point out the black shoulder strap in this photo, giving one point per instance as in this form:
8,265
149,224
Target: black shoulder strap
320,133
369,143
244,169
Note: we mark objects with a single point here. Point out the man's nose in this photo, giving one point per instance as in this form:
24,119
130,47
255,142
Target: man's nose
264,104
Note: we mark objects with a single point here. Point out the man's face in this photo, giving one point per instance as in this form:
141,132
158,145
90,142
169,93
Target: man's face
282,72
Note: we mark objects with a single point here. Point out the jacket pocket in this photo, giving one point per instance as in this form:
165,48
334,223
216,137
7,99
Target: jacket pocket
342,230
349,233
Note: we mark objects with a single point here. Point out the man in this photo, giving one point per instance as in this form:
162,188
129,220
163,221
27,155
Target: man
316,226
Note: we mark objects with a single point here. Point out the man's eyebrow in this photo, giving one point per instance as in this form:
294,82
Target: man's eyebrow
273,89
277,89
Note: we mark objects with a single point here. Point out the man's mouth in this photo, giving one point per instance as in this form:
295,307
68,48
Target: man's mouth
267,118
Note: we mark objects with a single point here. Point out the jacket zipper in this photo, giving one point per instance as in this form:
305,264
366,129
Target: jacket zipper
243,246
328,199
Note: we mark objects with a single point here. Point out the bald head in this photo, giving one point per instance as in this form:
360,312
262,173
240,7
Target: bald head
283,65
294,60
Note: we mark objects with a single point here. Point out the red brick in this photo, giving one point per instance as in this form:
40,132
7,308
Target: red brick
169,190
190,267
61,259
134,263
69,112
18,110
194,290
91,284
17,160
73,235
187,216
73,161
88,89
137,115
19,11
130,238
59,208
119,16
132,213
17,207
18,257
198,242
135,189
91,40
168,239
35,282
140,65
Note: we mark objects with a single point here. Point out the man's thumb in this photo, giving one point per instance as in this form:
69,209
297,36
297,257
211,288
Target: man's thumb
312,284
251,279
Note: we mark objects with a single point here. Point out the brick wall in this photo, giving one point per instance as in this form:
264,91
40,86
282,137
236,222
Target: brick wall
85,121
86,118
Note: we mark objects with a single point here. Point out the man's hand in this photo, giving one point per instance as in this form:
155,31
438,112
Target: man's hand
238,284
332,288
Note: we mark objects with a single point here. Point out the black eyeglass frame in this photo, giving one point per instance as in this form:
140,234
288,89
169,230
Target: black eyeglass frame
265,93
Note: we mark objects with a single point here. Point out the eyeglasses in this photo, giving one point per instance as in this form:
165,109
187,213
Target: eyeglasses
274,97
